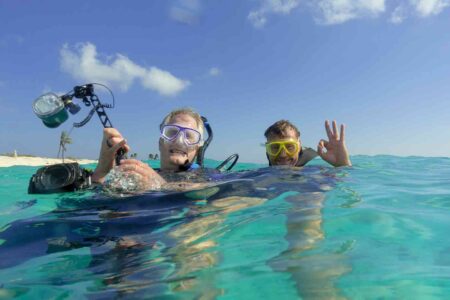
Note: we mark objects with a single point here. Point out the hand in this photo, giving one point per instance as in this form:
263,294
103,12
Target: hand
336,152
111,143
148,178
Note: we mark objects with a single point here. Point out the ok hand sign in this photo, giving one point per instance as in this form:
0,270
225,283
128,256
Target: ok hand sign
336,152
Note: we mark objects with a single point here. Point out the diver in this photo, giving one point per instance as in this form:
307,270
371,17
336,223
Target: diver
284,147
304,229
181,142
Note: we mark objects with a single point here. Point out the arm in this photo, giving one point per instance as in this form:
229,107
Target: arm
111,143
336,151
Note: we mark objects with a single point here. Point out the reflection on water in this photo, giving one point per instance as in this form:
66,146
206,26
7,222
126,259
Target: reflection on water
314,233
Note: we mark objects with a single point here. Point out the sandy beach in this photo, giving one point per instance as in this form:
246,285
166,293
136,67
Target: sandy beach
8,161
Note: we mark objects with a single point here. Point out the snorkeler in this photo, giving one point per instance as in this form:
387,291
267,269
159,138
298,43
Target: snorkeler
179,144
284,147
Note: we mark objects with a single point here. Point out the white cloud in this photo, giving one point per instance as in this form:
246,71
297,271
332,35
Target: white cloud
340,11
185,11
258,17
398,15
331,12
427,8
83,64
214,71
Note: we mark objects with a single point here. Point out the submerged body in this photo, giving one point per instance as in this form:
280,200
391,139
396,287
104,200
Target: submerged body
178,225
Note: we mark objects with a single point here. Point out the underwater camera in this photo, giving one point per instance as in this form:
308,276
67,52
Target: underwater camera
59,178
53,111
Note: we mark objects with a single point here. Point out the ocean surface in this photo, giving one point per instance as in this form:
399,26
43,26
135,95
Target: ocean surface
377,230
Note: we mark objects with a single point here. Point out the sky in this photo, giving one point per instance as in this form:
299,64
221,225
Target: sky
381,67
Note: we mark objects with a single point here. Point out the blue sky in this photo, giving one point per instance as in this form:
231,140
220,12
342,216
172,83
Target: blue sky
381,67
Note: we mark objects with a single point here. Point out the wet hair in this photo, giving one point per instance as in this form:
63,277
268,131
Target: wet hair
279,129
184,111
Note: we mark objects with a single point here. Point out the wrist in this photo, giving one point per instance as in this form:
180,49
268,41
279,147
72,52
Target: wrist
98,177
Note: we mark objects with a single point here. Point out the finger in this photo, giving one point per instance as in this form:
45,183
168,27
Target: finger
122,144
129,166
324,143
110,132
342,133
111,141
335,131
328,130
130,162
320,148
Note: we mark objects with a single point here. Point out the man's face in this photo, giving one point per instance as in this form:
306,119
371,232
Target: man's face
175,154
283,158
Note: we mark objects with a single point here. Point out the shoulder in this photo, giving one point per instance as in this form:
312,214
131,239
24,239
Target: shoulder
306,155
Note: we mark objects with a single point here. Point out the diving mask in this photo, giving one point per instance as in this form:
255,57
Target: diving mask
291,147
184,135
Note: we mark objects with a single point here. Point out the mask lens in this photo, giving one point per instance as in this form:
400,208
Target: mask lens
192,136
170,132
291,148
273,148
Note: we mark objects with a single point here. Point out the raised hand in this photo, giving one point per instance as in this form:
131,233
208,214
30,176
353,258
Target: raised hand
111,143
336,152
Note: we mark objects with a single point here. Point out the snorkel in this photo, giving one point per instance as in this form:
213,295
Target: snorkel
202,149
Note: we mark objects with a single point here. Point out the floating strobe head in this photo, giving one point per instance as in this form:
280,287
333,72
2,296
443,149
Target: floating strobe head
51,109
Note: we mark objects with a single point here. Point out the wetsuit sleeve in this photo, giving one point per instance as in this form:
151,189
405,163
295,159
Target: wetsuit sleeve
306,155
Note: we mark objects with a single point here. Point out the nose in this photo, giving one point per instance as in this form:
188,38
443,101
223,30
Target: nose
283,153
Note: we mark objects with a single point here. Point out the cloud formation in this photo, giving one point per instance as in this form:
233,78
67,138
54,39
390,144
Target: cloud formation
259,16
185,11
398,15
214,71
330,12
427,8
82,63
336,12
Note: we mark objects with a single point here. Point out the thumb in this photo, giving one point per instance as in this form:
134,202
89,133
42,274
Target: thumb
320,147
122,144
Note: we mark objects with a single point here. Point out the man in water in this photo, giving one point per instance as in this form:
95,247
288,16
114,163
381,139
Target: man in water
304,219
284,147
181,138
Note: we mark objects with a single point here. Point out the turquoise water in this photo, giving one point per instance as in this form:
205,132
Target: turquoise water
377,230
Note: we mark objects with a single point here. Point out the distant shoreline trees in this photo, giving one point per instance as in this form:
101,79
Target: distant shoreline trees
64,140
152,156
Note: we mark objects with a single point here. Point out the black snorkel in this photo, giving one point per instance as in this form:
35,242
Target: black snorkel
224,166
202,149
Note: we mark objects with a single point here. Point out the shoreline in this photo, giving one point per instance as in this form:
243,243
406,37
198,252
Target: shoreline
9,161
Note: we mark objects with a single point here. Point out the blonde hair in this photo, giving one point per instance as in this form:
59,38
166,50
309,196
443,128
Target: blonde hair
185,111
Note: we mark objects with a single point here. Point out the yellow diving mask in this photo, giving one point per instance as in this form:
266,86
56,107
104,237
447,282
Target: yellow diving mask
291,147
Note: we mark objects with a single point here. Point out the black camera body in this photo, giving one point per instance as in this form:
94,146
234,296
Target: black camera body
66,177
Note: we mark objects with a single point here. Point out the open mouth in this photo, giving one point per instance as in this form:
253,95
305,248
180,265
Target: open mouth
177,151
